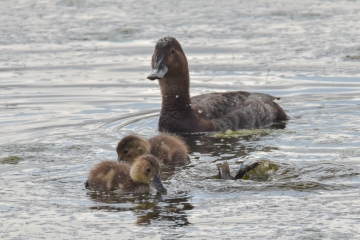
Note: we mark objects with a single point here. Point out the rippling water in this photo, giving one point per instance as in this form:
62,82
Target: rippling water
73,82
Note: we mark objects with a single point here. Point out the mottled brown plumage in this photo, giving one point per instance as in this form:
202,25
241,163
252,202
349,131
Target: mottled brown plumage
170,150
123,177
132,146
207,112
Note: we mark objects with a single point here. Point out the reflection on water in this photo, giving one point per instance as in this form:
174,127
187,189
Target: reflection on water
225,147
171,211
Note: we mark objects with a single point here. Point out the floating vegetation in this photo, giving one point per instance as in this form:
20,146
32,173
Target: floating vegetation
128,31
10,160
352,57
241,133
279,13
311,15
262,172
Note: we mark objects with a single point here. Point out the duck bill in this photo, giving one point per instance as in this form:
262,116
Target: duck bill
157,184
119,159
159,70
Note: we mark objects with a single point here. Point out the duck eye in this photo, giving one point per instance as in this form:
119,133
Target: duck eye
172,50
126,151
148,170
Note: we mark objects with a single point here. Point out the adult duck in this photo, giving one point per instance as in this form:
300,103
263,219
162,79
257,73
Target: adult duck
125,178
207,112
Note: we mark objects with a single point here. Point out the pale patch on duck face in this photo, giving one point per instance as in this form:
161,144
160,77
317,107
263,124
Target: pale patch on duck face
142,171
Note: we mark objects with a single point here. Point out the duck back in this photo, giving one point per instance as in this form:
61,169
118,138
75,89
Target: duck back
238,110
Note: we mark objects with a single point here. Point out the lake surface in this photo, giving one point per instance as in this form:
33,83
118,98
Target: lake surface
73,83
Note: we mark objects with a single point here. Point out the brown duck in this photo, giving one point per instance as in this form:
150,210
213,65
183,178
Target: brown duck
169,149
207,112
123,178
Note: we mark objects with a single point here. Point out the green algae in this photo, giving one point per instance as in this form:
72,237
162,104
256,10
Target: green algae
10,160
262,172
352,57
241,133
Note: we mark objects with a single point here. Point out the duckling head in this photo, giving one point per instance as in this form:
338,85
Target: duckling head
131,147
168,58
146,170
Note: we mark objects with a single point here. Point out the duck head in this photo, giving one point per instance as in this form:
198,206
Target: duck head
146,170
130,147
168,59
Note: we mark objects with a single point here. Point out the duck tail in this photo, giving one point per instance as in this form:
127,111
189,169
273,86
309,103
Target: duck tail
87,185
224,171
244,169
281,116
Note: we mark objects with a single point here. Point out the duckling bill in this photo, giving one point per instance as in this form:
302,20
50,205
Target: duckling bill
122,178
207,112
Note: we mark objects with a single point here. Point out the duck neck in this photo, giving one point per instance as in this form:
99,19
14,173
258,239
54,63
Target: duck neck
175,94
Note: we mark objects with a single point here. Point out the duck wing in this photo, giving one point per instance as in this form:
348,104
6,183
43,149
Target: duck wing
218,104
234,110
224,171
245,169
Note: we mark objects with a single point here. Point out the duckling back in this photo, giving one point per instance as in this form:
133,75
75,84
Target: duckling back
169,149
108,176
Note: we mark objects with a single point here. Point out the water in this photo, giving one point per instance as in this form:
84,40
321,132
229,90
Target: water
73,82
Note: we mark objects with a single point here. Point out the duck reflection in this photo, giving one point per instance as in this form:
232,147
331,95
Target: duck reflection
172,210
147,208
228,145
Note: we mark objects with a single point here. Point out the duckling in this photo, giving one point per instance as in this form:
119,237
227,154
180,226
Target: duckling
207,112
224,171
131,147
123,178
169,149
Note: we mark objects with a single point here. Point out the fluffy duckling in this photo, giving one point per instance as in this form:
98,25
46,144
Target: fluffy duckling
123,178
207,112
169,149
224,171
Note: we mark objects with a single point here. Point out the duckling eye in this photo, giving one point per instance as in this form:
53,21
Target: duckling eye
172,50
148,170
126,151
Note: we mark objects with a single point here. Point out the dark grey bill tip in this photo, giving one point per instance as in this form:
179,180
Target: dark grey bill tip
157,184
153,77
157,73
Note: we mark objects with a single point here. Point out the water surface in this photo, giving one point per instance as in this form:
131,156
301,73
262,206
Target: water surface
73,82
